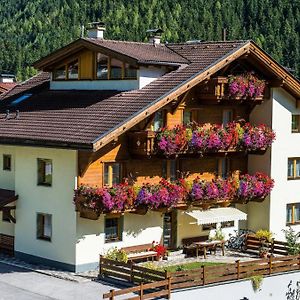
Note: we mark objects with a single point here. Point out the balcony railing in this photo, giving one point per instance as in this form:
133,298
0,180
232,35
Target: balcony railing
165,196
205,139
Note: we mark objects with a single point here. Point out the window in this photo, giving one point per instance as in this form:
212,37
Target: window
227,116
169,170
209,226
159,120
6,162
130,72
44,172
294,168
293,214
112,174
68,71
295,123
60,73
116,69
223,167
113,229
44,227
187,117
227,224
73,70
6,215
173,170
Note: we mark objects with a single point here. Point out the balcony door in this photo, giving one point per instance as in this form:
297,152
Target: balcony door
170,230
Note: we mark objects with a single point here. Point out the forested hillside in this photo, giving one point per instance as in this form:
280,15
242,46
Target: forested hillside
30,29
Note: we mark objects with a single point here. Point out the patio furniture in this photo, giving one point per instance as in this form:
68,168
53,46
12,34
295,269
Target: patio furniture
189,245
209,245
139,252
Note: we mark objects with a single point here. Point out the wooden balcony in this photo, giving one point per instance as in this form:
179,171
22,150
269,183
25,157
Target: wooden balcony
218,89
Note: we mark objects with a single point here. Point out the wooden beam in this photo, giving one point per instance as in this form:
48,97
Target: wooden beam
179,102
167,98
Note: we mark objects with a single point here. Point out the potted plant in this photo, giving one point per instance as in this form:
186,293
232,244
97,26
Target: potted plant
159,249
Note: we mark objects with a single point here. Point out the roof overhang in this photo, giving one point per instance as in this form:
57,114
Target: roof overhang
216,215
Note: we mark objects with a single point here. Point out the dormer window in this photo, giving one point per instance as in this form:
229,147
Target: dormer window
111,68
102,66
68,71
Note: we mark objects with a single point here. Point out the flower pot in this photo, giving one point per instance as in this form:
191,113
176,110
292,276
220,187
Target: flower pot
225,203
88,213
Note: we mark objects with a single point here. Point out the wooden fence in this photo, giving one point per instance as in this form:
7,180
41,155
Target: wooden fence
129,271
200,277
275,247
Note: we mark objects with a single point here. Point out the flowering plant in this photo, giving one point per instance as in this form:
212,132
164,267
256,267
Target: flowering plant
164,194
257,186
246,85
159,249
172,141
119,197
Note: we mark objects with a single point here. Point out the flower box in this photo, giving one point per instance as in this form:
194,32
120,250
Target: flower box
89,213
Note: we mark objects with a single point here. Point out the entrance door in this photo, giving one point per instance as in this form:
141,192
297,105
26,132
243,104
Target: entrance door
170,230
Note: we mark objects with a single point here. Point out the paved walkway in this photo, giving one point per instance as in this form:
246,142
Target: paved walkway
21,284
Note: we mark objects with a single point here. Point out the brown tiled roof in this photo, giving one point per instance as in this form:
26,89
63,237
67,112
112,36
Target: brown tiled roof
5,86
142,52
79,118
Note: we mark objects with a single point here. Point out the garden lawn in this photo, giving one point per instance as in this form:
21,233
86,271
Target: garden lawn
190,266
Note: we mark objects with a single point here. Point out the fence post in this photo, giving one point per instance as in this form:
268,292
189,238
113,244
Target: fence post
237,269
112,295
100,267
203,272
131,272
299,261
169,287
272,246
141,291
270,265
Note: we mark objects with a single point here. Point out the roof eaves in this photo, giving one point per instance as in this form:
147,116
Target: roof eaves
173,90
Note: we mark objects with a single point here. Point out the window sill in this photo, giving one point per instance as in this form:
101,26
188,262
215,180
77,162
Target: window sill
293,178
47,239
112,241
44,184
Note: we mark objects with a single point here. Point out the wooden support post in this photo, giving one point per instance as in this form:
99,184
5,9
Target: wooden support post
237,269
112,295
203,272
169,287
100,266
270,265
272,246
131,272
141,291
299,261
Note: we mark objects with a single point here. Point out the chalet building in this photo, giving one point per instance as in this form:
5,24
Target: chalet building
184,124
7,82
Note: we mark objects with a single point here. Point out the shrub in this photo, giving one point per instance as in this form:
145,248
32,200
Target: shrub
291,237
219,235
256,282
264,235
117,254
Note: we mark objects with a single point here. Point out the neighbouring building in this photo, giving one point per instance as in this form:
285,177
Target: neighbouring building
94,115
7,82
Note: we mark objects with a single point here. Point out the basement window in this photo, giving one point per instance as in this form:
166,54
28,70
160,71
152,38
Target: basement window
44,171
293,214
44,227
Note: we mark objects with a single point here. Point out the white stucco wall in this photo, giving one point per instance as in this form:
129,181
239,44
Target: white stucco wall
273,288
55,200
147,75
287,144
7,181
137,230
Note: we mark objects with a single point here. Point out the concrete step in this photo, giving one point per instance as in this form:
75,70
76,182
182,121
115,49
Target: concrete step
174,253
175,257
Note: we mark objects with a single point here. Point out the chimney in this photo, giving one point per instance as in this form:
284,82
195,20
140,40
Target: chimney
96,30
155,36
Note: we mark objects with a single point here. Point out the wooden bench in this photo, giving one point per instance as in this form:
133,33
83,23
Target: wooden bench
7,243
188,243
139,252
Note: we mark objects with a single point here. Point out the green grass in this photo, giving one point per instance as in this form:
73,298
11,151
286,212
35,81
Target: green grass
190,266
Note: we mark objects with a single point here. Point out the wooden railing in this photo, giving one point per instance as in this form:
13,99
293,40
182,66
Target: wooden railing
275,247
129,271
199,277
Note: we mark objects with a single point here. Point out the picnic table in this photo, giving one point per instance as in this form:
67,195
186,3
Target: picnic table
209,245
